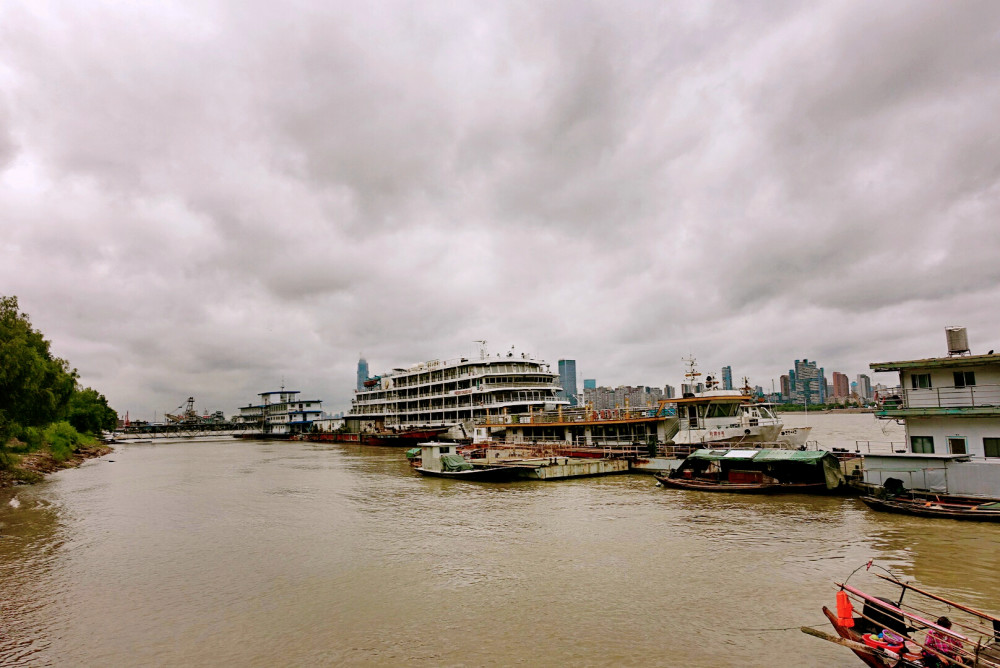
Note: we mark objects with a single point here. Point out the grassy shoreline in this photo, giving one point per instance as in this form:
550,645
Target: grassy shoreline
32,467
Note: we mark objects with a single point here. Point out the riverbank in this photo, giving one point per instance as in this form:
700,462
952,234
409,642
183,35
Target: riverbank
34,466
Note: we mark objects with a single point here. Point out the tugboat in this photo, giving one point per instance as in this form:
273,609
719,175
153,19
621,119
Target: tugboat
715,415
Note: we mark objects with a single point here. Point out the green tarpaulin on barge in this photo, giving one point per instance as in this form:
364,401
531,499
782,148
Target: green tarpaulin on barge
777,463
454,463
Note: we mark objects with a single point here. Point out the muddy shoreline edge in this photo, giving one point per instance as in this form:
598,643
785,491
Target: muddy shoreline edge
34,466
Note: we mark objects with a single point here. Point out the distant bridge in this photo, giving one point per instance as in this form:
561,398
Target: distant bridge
185,430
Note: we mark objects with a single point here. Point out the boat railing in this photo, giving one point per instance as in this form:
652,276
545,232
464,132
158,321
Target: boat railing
879,447
970,396
527,383
570,415
603,448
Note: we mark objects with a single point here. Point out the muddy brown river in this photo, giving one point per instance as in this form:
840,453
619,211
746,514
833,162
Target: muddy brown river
265,554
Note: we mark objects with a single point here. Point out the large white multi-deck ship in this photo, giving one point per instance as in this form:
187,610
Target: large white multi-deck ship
454,393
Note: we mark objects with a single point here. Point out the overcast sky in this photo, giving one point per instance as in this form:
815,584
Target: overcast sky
211,198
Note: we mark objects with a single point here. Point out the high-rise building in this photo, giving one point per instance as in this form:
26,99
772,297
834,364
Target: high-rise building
841,386
727,377
601,398
362,373
692,388
669,392
864,387
590,383
786,388
567,378
807,383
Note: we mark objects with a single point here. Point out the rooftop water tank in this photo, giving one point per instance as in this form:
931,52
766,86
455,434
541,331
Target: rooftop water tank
958,340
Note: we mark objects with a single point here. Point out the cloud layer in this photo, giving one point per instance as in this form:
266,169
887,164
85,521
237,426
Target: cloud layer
211,199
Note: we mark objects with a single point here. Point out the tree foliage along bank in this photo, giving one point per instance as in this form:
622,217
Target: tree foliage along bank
41,403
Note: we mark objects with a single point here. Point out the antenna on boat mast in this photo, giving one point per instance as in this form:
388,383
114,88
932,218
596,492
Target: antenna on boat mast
482,348
692,371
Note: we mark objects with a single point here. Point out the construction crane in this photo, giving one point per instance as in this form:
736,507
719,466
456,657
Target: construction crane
187,415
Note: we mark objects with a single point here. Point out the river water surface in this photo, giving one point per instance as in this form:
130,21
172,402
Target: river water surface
269,553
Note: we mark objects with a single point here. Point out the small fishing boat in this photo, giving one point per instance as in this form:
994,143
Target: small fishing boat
765,471
440,460
742,488
889,633
486,474
951,507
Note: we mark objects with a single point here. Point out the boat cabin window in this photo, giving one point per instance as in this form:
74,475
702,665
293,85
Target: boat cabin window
956,445
991,446
723,410
965,378
922,444
445,449
920,381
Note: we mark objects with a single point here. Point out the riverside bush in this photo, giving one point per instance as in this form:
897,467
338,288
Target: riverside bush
62,439
29,439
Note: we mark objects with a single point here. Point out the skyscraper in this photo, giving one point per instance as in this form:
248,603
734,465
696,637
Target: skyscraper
567,378
727,377
808,384
362,373
841,387
786,388
864,387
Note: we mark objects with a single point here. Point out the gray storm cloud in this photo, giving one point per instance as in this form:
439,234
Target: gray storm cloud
211,198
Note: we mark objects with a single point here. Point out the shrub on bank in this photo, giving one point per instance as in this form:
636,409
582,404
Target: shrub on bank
62,440
41,402
26,439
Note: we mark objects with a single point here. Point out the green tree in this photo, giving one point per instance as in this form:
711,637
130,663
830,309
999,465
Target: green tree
88,412
35,387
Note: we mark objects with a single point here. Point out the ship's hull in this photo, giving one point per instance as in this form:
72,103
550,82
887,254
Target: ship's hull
767,433
794,436
405,438
494,474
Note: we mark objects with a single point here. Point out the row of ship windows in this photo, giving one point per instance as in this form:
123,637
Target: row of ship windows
433,409
486,376
485,384
454,399
956,445
922,381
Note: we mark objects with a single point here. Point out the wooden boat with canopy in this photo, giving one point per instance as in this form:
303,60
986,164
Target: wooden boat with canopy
899,632
764,471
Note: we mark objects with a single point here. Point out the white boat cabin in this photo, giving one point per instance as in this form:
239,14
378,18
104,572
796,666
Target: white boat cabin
430,455
951,409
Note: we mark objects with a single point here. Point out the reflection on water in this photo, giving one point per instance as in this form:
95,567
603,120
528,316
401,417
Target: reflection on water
254,553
